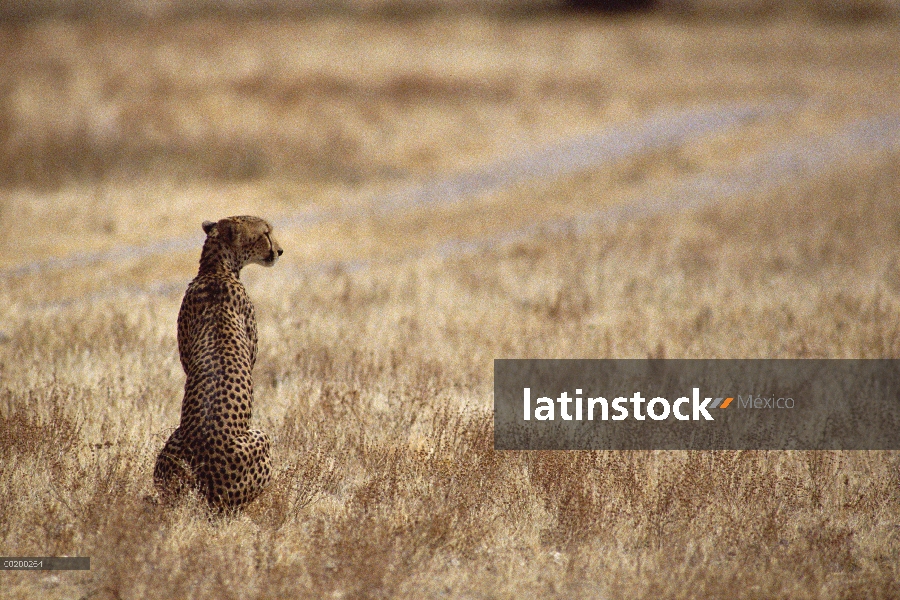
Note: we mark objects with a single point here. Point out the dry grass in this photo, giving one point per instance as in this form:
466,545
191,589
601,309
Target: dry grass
376,383
377,386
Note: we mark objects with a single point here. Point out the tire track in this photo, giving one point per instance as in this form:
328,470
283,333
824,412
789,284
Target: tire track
588,151
790,162
758,174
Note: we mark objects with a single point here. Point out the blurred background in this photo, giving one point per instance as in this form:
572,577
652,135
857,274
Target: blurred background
240,90
126,122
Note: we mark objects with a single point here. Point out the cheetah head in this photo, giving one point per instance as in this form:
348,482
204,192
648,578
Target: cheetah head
248,238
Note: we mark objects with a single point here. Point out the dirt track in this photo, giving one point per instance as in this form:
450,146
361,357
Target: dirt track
791,160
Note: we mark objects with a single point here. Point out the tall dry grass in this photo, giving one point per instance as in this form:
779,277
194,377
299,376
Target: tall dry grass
376,386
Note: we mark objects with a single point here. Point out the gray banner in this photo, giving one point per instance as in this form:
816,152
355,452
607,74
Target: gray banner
696,404
45,563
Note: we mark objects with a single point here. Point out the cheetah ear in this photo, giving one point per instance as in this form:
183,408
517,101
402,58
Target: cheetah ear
208,226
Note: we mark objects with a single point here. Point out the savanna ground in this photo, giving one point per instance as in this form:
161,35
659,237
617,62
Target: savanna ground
375,373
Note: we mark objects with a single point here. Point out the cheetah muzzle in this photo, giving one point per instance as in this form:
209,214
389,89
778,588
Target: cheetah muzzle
213,449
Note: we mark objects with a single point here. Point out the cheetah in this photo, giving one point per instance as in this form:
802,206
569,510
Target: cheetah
213,449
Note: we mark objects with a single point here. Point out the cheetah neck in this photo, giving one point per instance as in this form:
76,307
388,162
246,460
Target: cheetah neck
217,258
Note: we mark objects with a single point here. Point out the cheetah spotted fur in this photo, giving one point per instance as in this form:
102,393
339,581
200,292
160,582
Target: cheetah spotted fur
213,449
